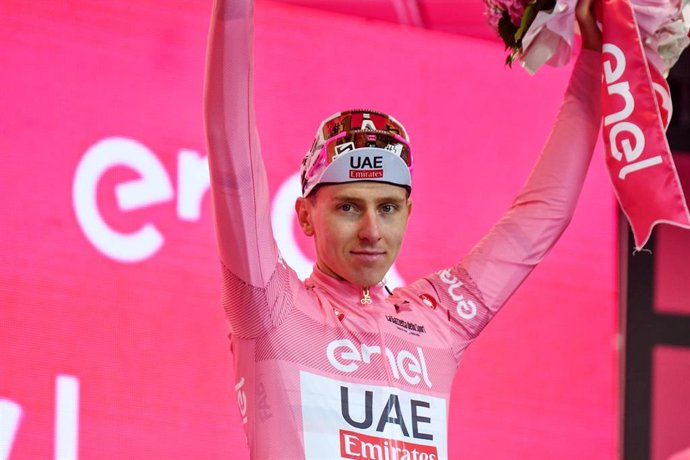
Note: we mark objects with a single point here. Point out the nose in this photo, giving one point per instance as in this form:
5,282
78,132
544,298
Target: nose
370,229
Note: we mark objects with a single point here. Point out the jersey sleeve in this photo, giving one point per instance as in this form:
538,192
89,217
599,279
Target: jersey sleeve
253,276
474,290
501,261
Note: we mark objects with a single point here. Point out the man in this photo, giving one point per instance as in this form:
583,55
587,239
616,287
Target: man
348,369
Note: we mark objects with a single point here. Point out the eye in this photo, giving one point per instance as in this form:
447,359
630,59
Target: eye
346,207
388,208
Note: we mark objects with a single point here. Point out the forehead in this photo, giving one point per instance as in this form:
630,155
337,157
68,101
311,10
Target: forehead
374,191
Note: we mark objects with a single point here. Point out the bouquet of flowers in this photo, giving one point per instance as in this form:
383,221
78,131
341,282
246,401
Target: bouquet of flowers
538,32
512,18
642,40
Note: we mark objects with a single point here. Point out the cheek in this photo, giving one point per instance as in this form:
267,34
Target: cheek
397,230
330,237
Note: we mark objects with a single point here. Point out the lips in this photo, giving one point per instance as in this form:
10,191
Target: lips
368,256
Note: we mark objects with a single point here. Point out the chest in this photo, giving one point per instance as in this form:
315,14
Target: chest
382,344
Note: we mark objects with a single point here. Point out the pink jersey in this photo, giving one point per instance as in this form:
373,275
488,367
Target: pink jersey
321,375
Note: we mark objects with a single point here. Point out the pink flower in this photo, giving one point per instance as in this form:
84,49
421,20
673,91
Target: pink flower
515,8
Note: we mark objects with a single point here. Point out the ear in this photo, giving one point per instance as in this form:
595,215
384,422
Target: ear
303,208
409,207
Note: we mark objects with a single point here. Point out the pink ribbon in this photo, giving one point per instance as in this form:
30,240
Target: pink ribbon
636,105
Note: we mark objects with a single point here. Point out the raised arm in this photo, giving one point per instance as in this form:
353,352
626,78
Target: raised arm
238,178
472,291
519,241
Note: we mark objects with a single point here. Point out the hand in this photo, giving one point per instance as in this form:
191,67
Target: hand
591,35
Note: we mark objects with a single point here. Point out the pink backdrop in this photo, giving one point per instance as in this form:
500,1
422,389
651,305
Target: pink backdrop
671,365
114,345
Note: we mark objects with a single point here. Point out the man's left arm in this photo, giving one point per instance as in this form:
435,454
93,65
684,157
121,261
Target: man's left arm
543,209
501,261
475,289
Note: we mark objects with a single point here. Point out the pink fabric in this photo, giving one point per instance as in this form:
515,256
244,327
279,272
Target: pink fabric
683,455
319,375
239,184
638,156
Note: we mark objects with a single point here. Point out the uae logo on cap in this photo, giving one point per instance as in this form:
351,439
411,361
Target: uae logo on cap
366,167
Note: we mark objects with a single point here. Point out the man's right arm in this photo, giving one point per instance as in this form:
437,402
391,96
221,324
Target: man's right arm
238,178
254,283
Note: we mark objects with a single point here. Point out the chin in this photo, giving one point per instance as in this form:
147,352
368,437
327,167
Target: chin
369,279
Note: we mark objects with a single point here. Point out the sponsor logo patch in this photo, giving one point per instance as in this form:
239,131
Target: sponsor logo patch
366,162
465,308
362,421
366,167
242,402
372,174
345,356
340,149
429,300
406,326
395,148
355,446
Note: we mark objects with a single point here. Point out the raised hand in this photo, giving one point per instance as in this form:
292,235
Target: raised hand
591,35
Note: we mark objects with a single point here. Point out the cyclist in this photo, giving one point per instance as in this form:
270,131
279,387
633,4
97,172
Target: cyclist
337,366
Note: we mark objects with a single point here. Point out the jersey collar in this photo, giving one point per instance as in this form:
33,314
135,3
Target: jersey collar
343,291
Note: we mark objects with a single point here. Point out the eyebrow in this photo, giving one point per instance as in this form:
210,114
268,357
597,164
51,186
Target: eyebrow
357,199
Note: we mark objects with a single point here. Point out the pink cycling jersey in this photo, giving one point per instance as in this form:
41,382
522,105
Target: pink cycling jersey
321,375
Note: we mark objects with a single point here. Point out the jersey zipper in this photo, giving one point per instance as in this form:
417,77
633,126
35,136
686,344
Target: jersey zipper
366,298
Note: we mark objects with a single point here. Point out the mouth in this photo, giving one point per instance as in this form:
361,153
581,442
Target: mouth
368,256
